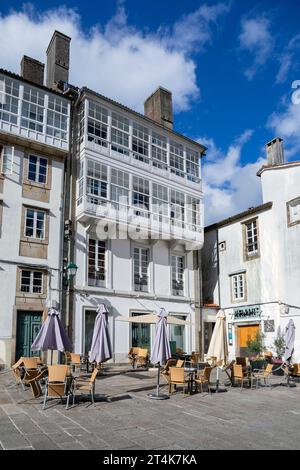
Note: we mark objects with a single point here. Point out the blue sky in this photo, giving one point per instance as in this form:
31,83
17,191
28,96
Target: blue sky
230,66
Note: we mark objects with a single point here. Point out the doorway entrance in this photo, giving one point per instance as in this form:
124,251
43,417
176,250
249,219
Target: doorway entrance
89,322
28,326
140,334
245,334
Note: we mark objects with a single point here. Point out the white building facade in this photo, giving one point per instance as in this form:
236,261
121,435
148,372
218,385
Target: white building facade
251,261
34,142
139,224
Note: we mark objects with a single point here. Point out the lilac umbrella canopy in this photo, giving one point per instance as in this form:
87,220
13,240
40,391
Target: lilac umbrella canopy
101,349
289,339
52,335
161,351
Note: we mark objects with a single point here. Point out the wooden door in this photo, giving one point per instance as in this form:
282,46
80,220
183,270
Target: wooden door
245,334
28,326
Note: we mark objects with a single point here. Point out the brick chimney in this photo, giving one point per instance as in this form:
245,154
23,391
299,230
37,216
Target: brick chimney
58,56
32,70
275,153
159,107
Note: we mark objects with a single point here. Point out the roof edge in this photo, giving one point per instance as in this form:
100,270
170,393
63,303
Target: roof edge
277,166
240,215
15,76
146,118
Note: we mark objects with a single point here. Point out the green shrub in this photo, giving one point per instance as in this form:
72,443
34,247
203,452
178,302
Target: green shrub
256,345
279,344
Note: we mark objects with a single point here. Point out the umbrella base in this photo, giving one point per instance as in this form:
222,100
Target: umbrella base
154,396
288,385
218,389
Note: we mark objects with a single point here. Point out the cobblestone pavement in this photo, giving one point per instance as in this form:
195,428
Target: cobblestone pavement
125,418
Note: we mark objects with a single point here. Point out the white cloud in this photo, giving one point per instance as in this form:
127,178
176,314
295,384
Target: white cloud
287,59
286,124
115,59
229,186
195,29
256,38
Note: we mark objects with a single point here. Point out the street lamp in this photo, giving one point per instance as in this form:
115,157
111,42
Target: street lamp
71,271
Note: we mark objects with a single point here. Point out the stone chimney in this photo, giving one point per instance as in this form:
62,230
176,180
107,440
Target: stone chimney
159,107
32,70
274,150
58,56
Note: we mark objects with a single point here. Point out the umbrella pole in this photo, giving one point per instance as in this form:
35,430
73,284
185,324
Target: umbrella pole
51,356
157,395
157,387
217,388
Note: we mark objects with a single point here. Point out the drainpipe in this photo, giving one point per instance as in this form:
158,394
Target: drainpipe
198,300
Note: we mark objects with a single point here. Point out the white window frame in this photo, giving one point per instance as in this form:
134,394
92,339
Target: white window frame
292,214
38,164
3,164
238,290
31,281
140,248
251,238
102,283
178,275
35,223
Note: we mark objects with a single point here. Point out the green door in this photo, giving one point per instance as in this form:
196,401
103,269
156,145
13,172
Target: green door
89,322
28,326
140,334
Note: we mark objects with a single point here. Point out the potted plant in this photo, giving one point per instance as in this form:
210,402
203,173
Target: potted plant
256,348
279,348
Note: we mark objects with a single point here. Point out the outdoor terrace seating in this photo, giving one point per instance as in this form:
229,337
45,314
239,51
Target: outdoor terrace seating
178,377
57,385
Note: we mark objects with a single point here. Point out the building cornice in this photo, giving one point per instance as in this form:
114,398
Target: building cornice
278,166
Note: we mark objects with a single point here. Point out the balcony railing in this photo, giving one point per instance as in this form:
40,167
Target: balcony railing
158,225
130,157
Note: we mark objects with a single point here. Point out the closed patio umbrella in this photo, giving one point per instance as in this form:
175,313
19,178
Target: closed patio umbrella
101,349
218,349
161,351
52,335
289,339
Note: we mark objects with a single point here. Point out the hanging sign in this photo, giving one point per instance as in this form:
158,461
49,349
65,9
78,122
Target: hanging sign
247,313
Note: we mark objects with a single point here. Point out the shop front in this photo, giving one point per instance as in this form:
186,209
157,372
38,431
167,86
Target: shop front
243,325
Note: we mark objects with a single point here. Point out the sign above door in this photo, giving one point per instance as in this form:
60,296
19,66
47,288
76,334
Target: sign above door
247,313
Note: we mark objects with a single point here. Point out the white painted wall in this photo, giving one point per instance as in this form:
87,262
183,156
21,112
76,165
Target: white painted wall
274,277
9,247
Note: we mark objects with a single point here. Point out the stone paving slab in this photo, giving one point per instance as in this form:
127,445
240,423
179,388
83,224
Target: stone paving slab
125,418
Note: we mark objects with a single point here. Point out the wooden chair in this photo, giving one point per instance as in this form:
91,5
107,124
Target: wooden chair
195,356
179,351
67,355
296,371
179,363
165,371
75,361
239,376
241,361
203,378
142,357
85,385
177,377
35,383
262,374
57,383
18,371
132,356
